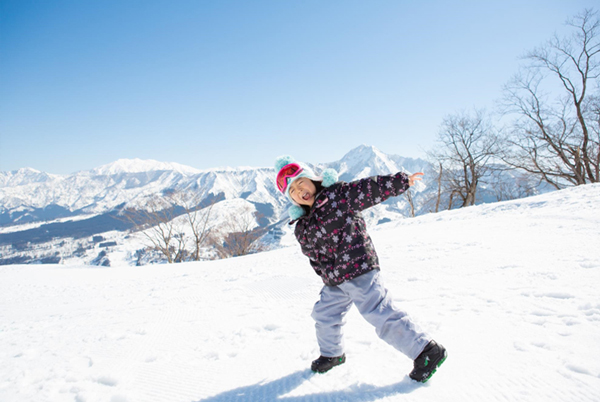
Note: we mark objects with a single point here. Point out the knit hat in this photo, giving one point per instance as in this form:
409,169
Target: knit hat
329,177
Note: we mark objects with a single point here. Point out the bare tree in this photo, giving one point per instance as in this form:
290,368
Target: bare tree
156,222
439,193
239,235
198,219
411,203
558,138
179,248
431,201
166,222
466,143
506,185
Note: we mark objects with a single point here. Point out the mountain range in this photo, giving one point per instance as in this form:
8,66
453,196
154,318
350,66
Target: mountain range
50,218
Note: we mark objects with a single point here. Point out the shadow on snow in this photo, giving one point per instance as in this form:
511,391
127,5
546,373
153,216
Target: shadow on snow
274,391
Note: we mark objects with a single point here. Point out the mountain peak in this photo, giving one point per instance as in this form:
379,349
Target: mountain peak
141,165
363,153
364,161
367,155
24,176
27,170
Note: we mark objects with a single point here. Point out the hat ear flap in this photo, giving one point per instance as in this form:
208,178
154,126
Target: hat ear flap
330,177
296,212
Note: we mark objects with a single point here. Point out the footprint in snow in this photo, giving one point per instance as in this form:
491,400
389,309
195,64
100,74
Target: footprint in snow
108,381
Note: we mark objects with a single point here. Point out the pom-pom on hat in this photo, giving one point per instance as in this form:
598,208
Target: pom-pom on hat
329,178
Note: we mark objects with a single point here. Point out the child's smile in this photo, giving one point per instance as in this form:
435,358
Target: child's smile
303,191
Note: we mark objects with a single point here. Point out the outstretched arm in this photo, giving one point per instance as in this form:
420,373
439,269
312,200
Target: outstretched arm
364,193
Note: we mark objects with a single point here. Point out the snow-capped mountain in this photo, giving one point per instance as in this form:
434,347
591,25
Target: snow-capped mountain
366,161
25,192
103,189
40,208
25,176
136,165
50,218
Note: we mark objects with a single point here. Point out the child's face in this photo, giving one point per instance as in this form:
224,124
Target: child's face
303,191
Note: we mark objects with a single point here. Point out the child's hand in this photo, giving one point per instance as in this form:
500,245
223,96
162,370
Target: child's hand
413,178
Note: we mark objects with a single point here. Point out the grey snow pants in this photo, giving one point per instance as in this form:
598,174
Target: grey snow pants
375,305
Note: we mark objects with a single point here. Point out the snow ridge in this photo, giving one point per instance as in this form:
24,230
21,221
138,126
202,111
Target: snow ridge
102,189
138,165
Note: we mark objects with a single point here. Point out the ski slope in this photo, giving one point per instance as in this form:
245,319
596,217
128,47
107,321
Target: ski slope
510,289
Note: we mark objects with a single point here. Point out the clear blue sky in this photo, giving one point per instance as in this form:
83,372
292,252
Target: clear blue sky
237,83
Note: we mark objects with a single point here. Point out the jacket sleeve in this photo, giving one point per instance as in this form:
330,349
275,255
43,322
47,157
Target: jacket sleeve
365,193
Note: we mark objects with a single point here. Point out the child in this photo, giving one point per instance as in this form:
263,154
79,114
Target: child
333,235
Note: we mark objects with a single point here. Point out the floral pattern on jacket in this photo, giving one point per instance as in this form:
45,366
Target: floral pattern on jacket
334,235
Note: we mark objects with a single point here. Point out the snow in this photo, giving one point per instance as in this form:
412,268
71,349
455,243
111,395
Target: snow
33,225
140,165
510,289
105,188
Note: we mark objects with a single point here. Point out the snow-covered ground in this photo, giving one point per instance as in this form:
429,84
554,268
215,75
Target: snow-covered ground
511,290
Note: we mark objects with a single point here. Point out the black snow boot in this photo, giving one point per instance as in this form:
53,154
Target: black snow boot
323,364
428,361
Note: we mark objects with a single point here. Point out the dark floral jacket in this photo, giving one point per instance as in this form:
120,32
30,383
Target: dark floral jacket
333,235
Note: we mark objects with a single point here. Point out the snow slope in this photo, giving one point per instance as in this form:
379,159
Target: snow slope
511,289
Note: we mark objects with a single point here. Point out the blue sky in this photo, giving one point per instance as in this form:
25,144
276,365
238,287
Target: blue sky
237,83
